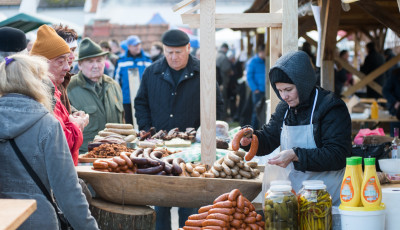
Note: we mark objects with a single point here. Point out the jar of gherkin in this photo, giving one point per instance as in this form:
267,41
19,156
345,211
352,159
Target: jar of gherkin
315,208
281,208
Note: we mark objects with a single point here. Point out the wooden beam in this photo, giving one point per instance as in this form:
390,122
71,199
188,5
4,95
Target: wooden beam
331,10
207,81
275,50
248,20
194,8
181,4
310,40
370,77
379,13
375,86
289,26
306,25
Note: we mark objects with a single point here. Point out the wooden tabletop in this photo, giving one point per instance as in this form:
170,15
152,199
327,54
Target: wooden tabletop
14,212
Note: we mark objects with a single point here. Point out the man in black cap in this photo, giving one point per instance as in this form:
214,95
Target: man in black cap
169,97
11,41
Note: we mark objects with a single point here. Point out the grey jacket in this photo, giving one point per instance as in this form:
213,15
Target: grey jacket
41,139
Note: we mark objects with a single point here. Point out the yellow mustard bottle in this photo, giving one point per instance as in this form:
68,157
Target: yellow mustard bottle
371,191
350,190
374,110
360,174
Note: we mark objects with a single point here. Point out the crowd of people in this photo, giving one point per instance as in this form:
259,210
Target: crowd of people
53,103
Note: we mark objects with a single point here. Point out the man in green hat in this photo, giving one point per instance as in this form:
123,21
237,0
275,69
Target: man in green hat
94,92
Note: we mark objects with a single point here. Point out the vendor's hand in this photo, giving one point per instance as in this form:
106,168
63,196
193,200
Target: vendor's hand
79,114
82,122
397,105
284,158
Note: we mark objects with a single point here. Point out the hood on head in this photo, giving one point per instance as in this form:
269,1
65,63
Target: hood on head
297,66
18,113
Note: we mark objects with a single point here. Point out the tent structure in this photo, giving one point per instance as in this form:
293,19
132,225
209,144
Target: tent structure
24,22
157,19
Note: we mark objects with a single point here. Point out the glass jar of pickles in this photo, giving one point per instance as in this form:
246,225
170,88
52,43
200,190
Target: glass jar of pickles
315,208
281,208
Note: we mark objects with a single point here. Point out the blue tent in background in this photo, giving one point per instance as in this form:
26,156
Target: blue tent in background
157,19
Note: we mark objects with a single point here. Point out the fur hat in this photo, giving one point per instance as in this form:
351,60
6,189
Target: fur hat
48,44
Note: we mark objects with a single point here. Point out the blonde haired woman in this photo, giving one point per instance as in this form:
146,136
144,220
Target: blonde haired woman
25,118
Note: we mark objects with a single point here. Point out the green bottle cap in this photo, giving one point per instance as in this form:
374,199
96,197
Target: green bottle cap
369,161
351,161
359,160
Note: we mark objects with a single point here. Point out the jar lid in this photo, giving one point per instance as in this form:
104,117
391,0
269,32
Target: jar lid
308,182
281,182
281,188
315,186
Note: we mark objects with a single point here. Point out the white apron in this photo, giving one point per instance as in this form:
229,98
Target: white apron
302,136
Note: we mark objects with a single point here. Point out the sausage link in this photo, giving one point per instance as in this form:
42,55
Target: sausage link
223,204
196,223
219,216
222,197
236,140
200,216
127,159
253,148
205,208
234,194
214,222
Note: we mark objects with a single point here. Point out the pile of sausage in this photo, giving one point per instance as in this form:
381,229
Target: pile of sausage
117,164
195,170
232,166
141,161
229,211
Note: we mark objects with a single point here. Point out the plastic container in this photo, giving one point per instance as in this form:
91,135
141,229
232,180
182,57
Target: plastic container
371,191
315,207
362,218
374,110
281,208
350,192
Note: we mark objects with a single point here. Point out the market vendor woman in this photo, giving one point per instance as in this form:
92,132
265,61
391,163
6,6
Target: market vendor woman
311,125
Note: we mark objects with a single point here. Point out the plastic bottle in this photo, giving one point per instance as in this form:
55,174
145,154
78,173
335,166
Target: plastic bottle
351,184
395,143
374,110
371,191
360,174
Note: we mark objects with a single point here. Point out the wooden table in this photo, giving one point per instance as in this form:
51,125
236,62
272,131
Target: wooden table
14,212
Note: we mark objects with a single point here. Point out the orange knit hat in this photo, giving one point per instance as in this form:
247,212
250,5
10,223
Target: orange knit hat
49,44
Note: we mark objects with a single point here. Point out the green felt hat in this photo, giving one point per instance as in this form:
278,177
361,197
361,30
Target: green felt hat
89,49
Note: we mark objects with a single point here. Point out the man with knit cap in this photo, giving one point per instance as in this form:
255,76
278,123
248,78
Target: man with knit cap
311,125
52,47
94,92
12,41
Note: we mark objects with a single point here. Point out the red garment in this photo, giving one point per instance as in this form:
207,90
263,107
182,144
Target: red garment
72,132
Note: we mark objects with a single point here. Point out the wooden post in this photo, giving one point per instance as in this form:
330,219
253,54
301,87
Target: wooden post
134,83
114,216
207,81
330,13
275,48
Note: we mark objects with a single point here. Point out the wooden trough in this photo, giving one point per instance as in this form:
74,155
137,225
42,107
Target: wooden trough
168,191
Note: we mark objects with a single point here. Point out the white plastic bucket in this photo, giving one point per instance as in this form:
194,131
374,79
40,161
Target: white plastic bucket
365,220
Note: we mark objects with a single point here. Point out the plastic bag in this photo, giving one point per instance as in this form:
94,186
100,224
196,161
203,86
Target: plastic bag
358,140
272,172
221,131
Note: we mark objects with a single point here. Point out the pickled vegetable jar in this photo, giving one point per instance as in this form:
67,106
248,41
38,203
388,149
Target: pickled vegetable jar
281,208
315,208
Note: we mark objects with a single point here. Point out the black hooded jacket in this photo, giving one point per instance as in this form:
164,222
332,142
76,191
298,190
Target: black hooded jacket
331,120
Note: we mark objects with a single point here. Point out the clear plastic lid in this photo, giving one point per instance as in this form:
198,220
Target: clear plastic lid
281,182
315,186
281,188
310,182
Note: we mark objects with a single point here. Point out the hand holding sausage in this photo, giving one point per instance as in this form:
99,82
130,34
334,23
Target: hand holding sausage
243,133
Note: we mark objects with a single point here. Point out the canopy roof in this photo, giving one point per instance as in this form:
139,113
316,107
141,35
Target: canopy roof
24,22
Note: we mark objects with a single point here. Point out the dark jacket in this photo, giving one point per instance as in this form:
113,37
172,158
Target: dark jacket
331,120
161,104
373,61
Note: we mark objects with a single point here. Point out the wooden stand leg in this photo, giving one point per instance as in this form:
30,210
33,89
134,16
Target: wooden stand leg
114,216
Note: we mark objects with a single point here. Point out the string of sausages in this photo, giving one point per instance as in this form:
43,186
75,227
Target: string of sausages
229,211
141,161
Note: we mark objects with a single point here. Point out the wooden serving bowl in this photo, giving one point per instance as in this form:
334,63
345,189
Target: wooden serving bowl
168,191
